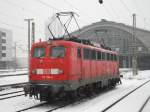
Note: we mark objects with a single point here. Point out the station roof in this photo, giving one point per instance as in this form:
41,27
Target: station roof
141,34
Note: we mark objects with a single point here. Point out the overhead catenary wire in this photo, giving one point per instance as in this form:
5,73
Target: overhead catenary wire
129,12
50,6
33,12
58,10
137,10
74,7
126,7
141,15
47,5
108,12
14,17
114,11
9,16
23,8
12,25
15,26
136,7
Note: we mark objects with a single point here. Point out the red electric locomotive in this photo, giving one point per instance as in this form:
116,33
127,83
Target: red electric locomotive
61,66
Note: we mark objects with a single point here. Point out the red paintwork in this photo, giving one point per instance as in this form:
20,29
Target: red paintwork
74,68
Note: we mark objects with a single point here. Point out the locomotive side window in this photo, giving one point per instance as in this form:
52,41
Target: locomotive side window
111,57
58,52
103,56
108,57
39,52
93,55
79,53
99,55
115,57
86,53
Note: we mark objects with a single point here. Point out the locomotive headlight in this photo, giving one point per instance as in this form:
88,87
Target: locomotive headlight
33,71
56,71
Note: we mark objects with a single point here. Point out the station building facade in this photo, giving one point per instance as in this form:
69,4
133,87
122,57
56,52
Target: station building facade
119,37
5,48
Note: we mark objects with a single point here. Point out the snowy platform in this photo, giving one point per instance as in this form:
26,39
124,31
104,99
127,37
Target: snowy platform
13,79
141,75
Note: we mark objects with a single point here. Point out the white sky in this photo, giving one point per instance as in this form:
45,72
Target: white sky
13,13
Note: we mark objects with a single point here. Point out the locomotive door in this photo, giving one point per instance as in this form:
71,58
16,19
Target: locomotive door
79,62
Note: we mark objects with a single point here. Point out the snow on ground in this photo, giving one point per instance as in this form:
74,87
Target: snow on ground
141,75
100,102
12,72
134,101
13,80
10,90
103,100
17,103
95,104
147,107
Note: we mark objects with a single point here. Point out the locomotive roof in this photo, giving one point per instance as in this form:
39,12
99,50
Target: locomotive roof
70,44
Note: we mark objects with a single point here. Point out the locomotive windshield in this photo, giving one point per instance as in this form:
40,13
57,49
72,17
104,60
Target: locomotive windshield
39,52
58,52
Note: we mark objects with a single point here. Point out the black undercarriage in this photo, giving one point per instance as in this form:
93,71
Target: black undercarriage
47,92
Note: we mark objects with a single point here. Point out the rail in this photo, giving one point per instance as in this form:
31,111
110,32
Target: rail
117,101
13,75
144,104
11,85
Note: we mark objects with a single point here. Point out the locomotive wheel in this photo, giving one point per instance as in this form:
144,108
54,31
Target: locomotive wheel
110,84
71,96
96,88
81,92
50,99
113,82
89,90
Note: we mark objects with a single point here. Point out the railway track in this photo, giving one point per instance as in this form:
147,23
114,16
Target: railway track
32,107
126,95
144,104
11,94
86,98
57,108
13,75
14,93
13,85
63,104
45,103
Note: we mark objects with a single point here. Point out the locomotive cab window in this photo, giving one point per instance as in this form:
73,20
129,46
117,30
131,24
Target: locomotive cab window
79,53
39,52
58,52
